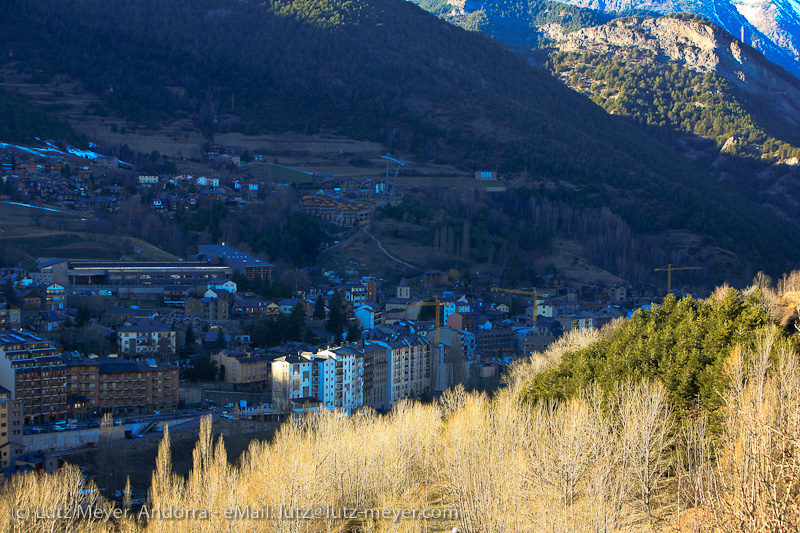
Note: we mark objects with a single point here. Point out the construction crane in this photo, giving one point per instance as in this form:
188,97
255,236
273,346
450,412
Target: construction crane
532,294
389,183
669,269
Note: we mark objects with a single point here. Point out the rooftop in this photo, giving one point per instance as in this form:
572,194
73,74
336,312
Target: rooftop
232,254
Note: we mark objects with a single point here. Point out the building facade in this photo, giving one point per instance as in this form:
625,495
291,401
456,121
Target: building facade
98,385
146,339
244,368
251,267
32,370
10,429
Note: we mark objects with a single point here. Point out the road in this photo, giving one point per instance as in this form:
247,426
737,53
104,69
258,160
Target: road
390,256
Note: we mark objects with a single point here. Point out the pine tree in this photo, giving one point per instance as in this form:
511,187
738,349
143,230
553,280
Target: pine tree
319,308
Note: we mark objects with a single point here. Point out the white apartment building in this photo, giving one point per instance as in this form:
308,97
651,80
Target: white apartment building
335,376
342,377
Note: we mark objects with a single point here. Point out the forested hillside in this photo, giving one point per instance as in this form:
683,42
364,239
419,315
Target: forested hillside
685,344
518,23
634,83
383,70
20,122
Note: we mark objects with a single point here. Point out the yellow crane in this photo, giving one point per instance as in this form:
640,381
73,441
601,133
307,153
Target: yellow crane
669,269
532,294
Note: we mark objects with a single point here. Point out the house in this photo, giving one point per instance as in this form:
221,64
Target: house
175,296
356,293
204,181
10,316
287,305
148,180
49,321
32,300
222,284
617,293
56,297
256,307
434,278
146,339
36,462
576,321
208,308
368,316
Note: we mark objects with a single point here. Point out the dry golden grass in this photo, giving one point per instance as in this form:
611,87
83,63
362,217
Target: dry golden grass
616,463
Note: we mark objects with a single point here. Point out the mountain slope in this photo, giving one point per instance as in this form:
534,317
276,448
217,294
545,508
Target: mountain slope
685,74
700,46
518,23
383,70
21,122
770,26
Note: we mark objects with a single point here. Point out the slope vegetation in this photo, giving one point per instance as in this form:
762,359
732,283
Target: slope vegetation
383,70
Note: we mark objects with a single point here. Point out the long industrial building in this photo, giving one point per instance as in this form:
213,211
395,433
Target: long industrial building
135,273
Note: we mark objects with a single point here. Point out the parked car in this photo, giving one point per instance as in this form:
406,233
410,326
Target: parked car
91,444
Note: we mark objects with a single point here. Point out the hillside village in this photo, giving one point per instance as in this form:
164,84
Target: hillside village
81,338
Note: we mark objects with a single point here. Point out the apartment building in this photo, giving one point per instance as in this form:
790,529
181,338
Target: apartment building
146,339
31,369
55,297
244,367
10,429
376,375
409,366
98,385
342,381
208,308
292,379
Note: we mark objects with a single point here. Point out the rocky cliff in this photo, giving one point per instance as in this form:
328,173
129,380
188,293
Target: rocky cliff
700,46
770,26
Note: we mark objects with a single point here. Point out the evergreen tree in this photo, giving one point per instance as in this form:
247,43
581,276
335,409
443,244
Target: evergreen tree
353,333
319,308
190,340
204,368
297,322
336,317
83,315
9,293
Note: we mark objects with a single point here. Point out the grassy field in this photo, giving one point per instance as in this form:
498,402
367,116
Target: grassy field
38,233
279,173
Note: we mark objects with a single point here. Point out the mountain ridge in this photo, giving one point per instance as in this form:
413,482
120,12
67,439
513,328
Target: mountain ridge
380,70
770,26
700,46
